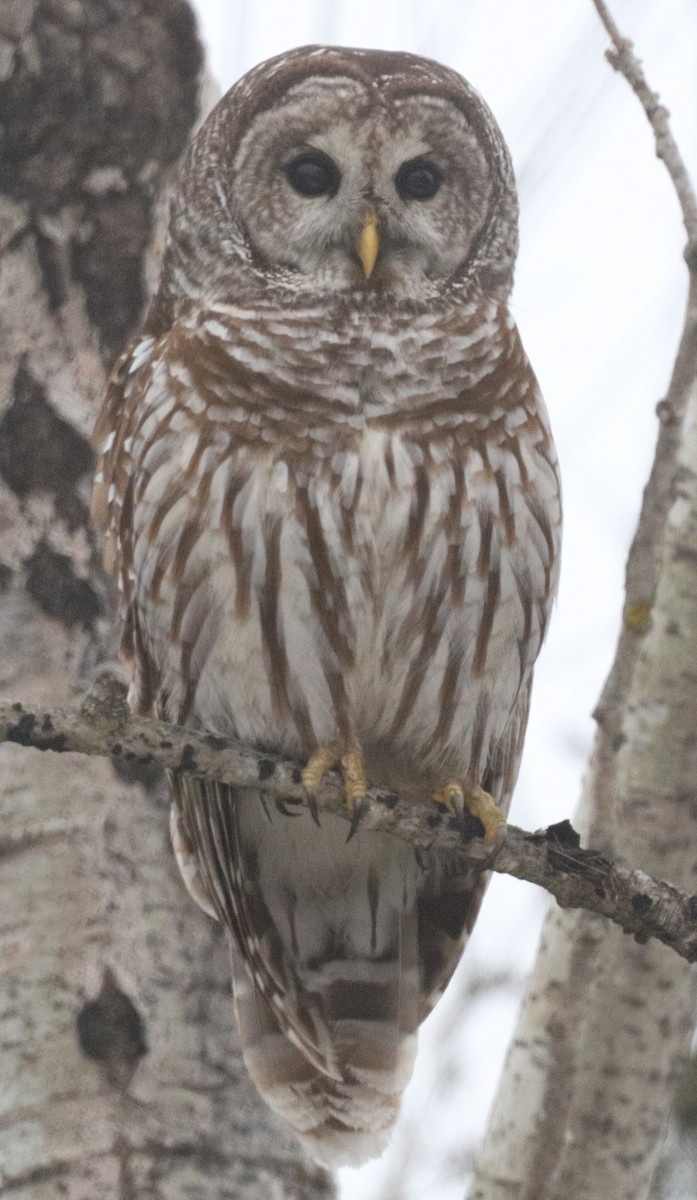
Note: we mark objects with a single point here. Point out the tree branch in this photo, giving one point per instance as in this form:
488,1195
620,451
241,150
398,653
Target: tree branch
625,61
553,858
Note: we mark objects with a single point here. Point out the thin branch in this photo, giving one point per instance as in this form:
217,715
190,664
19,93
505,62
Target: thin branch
552,859
624,60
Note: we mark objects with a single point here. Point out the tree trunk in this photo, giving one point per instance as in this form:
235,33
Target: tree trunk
121,1077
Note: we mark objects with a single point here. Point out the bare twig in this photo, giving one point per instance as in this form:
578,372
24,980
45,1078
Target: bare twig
624,60
552,859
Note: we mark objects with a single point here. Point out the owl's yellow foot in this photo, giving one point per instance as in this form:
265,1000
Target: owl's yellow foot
350,760
476,802
336,754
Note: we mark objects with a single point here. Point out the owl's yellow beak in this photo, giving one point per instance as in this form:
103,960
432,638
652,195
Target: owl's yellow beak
368,243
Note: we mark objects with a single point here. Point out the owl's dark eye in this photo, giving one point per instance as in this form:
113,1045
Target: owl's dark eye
418,179
314,174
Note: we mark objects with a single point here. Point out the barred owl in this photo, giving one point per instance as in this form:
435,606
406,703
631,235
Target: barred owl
332,504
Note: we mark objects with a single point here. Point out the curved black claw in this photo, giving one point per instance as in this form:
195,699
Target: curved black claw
314,811
358,810
282,807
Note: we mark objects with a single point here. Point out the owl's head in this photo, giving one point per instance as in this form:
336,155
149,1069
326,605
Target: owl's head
328,171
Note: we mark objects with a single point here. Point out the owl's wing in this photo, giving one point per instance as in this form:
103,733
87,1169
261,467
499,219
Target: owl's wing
112,476
112,507
448,907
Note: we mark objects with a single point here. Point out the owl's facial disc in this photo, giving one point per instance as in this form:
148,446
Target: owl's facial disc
340,190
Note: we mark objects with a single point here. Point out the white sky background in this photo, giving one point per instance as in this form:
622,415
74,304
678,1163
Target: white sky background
599,298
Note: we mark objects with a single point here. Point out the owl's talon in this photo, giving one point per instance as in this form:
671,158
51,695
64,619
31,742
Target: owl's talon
476,802
451,793
314,811
358,810
282,807
490,859
321,760
355,784
350,760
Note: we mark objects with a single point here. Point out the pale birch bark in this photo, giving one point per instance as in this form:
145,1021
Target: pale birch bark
120,1076
605,1023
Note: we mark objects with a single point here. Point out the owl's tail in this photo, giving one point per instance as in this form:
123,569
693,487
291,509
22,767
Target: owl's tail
325,960
346,1118
335,925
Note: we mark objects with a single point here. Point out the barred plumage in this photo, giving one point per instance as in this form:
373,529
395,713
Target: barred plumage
332,503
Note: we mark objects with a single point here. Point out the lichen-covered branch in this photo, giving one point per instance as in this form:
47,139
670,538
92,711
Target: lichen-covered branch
553,858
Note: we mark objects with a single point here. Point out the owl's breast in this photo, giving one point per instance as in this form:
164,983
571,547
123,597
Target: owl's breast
449,588
385,584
